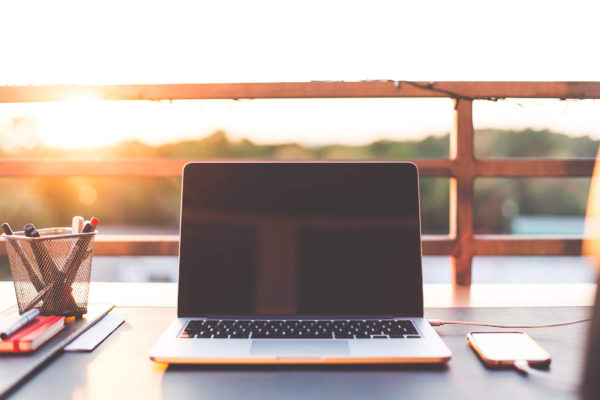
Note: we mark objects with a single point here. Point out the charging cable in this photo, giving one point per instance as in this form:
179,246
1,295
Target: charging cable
524,368
439,322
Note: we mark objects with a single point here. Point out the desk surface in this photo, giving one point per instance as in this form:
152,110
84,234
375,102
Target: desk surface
120,368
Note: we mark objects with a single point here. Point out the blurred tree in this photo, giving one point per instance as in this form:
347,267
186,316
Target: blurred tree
155,202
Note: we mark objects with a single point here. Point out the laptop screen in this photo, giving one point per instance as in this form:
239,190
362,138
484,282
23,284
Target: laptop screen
304,238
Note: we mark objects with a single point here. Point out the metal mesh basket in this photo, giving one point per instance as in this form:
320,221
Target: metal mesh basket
51,272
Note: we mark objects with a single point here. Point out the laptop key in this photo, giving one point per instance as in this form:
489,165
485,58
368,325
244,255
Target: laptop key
239,335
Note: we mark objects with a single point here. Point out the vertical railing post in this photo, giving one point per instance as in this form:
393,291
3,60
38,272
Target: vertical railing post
461,192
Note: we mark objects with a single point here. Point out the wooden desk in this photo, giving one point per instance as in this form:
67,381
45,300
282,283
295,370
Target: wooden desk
120,369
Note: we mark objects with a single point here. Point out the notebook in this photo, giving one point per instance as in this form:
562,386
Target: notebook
33,335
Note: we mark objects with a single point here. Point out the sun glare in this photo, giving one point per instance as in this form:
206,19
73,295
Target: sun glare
68,124
88,195
82,99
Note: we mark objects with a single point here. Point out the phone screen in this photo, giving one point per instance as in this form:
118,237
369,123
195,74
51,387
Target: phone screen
506,347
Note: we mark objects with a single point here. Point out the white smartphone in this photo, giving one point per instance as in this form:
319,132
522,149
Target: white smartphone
504,348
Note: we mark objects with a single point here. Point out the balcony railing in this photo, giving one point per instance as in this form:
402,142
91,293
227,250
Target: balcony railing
461,167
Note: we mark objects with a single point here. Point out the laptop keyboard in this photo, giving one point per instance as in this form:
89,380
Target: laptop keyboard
300,329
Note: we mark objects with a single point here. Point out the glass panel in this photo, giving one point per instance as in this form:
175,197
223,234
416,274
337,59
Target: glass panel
122,205
280,129
530,206
143,205
437,269
563,269
435,206
134,269
536,128
122,269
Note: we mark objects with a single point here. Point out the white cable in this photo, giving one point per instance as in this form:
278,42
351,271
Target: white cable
524,367
439,322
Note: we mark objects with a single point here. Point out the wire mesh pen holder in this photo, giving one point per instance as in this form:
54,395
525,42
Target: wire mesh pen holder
51,272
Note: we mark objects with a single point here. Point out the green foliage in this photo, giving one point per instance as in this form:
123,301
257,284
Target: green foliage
532,143
155,202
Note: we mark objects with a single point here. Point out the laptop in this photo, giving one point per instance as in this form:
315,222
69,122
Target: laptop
300,262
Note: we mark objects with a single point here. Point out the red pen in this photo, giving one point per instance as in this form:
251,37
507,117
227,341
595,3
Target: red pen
94,221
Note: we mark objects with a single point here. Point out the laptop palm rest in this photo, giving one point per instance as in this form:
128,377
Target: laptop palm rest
304,348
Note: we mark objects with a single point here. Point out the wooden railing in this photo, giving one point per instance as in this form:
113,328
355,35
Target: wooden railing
461,168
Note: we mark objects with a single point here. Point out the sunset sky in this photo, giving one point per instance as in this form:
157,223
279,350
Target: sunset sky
114,42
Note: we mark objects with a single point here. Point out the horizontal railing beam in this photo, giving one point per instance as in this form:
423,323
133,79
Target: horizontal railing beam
118,168
503,245
146,168
129,245
168,245
438,245
168,168
471,90
136,245
535,167
433,245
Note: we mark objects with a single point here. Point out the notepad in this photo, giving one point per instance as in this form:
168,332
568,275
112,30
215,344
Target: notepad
91,338
33,335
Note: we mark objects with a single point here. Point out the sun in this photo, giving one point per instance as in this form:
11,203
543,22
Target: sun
65,124
81,122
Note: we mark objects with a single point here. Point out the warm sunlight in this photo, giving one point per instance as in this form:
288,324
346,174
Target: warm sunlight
75,130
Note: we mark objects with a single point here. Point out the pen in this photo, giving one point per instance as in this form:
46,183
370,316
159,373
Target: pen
32,274
20,323
44,260
39,252
6,229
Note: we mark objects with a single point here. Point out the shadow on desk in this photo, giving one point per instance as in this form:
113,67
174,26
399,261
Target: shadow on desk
299,381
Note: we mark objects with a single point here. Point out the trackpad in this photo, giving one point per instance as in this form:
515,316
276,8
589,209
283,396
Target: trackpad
291,347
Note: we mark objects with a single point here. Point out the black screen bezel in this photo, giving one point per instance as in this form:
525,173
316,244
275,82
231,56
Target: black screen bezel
188,310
